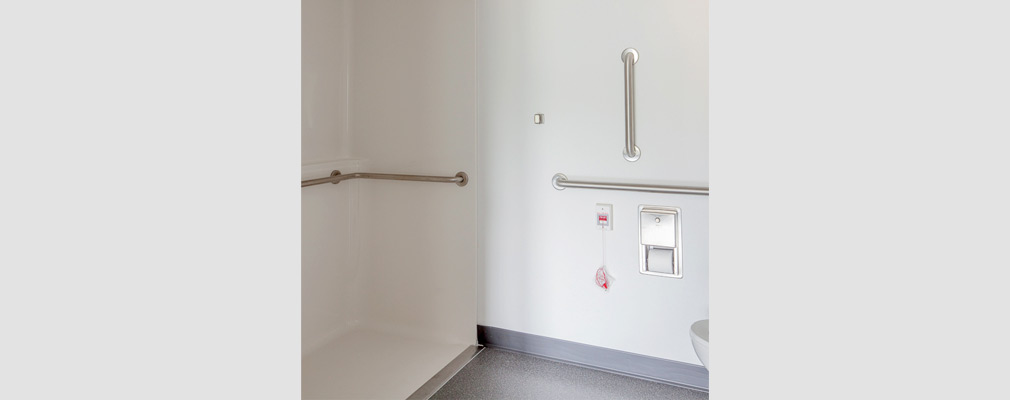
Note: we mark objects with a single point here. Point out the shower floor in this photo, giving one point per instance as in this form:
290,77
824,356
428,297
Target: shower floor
369,364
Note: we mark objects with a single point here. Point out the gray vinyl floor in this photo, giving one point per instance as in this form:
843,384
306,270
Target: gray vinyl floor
501,374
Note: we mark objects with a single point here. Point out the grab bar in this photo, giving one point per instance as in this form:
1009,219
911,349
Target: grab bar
630,58
460,179
560,182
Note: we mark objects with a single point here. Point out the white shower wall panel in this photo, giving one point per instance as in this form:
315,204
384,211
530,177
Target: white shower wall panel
413,112
388,272
333,281
332,278
326,41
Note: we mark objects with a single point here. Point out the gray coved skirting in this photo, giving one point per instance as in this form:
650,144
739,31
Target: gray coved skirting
610,360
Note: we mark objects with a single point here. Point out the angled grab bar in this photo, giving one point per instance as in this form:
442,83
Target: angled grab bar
460,179
560,182
631,151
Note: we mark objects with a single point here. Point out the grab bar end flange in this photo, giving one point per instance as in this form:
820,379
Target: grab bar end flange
635,157
634,53
556,179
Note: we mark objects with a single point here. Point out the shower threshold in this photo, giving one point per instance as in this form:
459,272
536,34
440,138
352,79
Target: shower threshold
373,364
442,377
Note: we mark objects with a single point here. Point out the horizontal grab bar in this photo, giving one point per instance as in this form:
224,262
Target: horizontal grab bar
560,182
460,179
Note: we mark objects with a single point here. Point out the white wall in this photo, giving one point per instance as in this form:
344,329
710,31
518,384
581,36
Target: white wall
412,106
407,73
539,248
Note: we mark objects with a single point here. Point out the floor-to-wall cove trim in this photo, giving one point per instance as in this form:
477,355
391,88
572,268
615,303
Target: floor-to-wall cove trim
610,360
436,382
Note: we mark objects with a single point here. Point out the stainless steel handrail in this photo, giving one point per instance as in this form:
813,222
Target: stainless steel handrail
460,179
560,182
630,58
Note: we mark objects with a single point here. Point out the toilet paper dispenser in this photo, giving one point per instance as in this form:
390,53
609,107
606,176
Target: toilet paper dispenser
659,241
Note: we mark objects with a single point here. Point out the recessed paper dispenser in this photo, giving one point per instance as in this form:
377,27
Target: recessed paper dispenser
659,241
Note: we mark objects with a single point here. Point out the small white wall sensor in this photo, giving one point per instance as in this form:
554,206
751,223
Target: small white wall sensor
605,216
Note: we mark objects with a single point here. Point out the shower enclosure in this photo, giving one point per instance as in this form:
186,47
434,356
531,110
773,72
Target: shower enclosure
388,265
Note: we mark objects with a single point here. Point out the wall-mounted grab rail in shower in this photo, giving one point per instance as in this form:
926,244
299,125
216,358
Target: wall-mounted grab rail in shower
630,58
460,179
560,182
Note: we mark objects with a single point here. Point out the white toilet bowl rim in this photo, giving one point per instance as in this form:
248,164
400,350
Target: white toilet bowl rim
699,329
